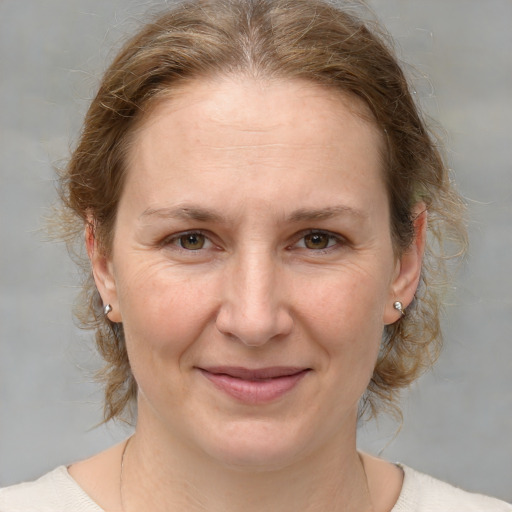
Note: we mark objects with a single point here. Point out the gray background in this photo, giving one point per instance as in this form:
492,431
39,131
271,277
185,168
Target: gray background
458,420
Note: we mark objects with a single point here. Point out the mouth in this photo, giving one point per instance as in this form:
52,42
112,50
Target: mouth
255,386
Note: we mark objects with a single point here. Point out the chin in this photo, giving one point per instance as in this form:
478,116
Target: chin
259,448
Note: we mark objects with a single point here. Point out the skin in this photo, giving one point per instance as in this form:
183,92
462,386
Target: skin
263,175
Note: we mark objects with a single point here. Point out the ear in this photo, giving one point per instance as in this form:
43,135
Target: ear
103,273
408,269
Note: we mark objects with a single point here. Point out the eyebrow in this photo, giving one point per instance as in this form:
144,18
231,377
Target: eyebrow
206,215
305,214
184,212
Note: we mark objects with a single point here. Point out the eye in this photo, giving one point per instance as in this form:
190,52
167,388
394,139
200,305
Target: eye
319,240
188,241
192,241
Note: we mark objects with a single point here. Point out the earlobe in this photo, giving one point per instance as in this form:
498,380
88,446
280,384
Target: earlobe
409,267
103,273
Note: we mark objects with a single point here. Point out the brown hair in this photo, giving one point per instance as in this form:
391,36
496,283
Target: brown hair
282,39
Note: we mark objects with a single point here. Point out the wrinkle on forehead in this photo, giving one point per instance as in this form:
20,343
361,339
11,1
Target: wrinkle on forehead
178,97
236,122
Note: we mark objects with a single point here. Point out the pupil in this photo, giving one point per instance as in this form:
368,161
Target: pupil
316,241
194,241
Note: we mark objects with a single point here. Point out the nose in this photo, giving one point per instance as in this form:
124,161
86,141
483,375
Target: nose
254,308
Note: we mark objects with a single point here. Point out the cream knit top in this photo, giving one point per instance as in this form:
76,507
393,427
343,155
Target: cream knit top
58,492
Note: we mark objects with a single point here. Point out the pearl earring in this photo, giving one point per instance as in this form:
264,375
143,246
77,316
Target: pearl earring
399,307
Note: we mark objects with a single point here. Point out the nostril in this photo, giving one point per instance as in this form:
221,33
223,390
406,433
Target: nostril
256,329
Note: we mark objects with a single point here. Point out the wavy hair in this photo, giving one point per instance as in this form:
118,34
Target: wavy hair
315,40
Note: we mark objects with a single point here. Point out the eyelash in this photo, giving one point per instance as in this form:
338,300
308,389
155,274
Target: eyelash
337,240
334,241
175,239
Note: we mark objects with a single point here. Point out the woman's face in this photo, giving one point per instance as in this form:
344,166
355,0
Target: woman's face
253,269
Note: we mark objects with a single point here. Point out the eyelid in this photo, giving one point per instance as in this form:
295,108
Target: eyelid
172,240
340,240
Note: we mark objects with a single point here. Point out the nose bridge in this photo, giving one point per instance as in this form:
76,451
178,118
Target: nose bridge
253,308
256,275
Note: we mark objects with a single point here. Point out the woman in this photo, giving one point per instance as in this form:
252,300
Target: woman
256,188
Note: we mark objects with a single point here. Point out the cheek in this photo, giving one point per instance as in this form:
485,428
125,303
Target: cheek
351,298
164,312
345,315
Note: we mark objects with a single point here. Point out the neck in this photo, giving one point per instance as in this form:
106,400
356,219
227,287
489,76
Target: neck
171,476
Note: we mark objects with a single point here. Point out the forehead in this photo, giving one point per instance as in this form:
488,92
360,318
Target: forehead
240,101
241,130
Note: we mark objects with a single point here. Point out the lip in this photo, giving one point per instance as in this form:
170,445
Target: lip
254,386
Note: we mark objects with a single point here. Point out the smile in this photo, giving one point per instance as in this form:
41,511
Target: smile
255,386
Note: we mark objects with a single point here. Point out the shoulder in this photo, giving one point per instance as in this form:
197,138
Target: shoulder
422,493
54,492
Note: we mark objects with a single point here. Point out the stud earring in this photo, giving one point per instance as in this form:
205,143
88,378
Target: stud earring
107,309
399,307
